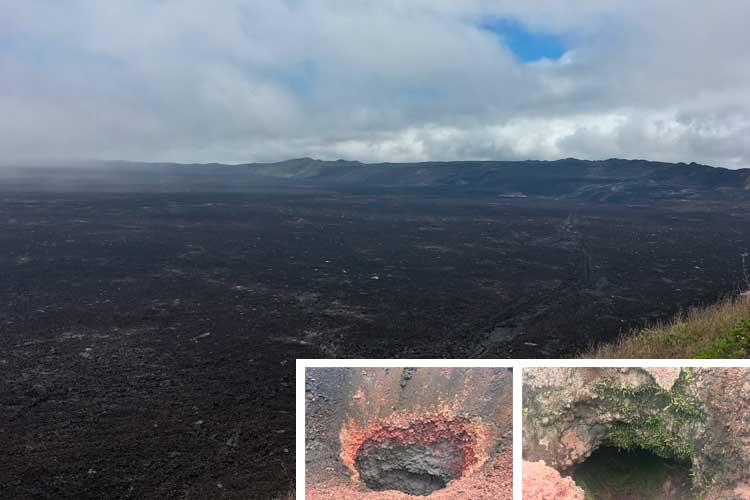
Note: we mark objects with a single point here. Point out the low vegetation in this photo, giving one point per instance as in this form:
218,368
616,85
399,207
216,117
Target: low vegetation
659,430
734,345
718,331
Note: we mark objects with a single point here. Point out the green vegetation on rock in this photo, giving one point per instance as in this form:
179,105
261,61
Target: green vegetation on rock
631,399
651,418
650,434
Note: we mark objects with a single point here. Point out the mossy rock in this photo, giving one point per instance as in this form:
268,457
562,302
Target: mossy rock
653,418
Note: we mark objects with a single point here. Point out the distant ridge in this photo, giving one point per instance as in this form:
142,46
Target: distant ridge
601,180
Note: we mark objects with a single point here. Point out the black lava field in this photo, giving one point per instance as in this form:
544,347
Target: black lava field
149,339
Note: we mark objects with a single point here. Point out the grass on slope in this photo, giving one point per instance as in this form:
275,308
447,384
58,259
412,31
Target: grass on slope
734,345
718,331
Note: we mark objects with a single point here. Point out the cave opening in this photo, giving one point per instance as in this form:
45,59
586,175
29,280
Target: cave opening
416,469
612,473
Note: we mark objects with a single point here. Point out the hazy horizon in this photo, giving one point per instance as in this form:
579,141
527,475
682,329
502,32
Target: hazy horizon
94,162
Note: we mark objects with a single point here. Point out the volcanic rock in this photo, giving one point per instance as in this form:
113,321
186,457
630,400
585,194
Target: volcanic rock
701,417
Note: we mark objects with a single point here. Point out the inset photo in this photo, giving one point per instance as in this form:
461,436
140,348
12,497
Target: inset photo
399,433
636,433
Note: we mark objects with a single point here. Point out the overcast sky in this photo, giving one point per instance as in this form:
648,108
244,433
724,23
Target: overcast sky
239,81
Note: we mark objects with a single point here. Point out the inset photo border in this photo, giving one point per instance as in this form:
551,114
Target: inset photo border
666,432
398,429
369,428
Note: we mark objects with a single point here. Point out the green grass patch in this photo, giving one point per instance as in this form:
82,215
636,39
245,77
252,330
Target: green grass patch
736,344
705,332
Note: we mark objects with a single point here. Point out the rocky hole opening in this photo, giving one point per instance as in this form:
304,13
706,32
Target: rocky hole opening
413,469
418,459
612,473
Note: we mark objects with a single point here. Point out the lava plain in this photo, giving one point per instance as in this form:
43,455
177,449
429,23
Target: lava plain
149,339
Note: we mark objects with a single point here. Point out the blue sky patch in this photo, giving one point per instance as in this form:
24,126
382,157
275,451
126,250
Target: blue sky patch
526,45
299,77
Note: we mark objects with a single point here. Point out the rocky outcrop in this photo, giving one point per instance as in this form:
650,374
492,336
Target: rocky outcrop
545,483
701,415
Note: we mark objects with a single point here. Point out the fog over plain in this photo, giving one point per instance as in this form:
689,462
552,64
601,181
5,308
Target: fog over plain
241,81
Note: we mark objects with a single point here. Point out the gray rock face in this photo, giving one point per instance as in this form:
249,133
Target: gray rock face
697,415
416,470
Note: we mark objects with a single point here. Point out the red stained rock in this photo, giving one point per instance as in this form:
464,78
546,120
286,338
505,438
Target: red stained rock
469,435
545,483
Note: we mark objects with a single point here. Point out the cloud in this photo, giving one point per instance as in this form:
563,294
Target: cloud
240,81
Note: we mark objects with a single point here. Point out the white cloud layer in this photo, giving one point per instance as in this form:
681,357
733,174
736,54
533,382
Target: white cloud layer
238,81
